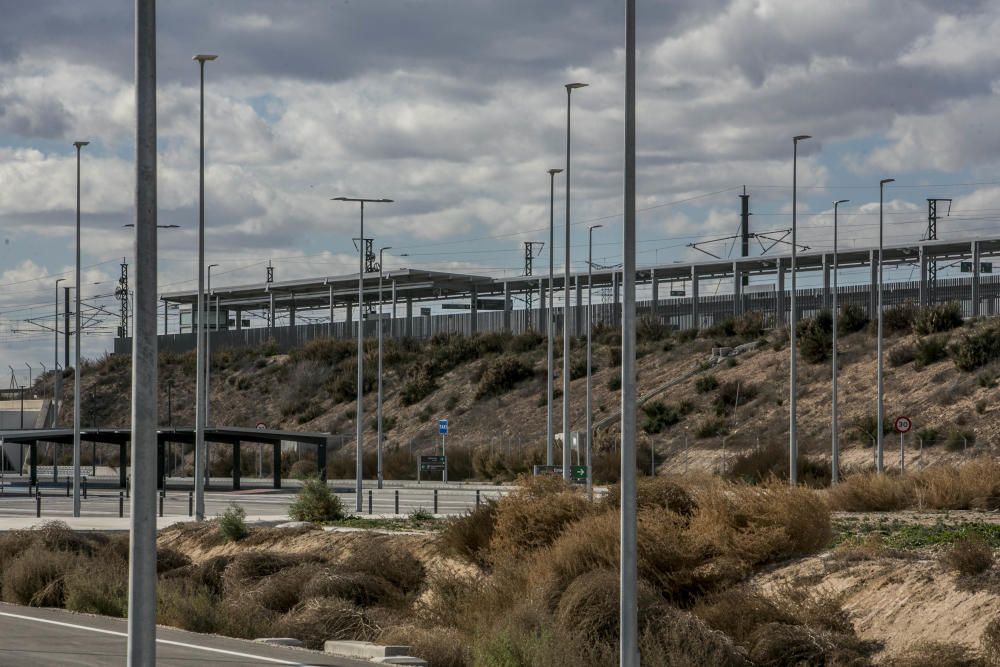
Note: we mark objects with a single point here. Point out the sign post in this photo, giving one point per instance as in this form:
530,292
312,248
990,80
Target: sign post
431,464
902,426
443,430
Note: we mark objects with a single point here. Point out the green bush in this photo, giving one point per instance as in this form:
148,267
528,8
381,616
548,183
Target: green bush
749,327
937,318
651,328
420,384
232,523
865,428
898,319
930,350
902,354
706,383
316,502
976,349
660,416
928,437
709,427
815,337
98,587
959,439
614,383
502,374
852,319
732,394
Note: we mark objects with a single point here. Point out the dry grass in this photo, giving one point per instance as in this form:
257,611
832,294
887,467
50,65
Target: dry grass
362,589
36,577
187,605
989,643
316,620
439,646
381,556
968,556
468,536
935,654
868,492
98,586
945,487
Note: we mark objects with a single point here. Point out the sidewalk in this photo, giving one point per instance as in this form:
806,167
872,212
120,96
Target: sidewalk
104,523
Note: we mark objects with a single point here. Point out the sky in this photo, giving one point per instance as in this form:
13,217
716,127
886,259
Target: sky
456,109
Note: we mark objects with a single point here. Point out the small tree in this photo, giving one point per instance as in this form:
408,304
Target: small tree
316,502
232,523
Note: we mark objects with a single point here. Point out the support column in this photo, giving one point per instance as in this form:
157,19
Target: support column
506,307
331,311
695,305
276,464
541,307
236,465
578,311
33,463
122,467
922,253
873,291
779,296
655,283
737,290
826,282
473,311
975,278
239,319
291,315
616,301
409,316
393,332
321,460
270,312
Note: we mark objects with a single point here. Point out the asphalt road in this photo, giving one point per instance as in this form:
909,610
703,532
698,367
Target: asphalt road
31,637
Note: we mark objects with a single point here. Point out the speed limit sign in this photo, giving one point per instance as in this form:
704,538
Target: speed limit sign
903,424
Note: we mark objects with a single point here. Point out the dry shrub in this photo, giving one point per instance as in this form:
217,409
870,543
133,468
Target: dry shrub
441,647
663,492
363,590
968,556
955,487
934,654
282,590
382,556
316,620
186,605
989,642
534,515
679,638
868,492
98,586
166,559
36,577
240,617
588,608
457,600
779,645
468,536
871,546
247,568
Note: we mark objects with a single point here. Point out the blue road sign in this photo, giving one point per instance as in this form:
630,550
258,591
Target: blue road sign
443,426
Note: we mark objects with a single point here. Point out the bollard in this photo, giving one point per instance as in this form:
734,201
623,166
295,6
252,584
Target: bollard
121,504
38,505
477,498
190,503
161,506
369,501
435,501
68,488
397,501
128,486
84,488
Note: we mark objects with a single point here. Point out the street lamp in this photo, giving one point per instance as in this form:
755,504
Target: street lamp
378,418
361,343
550,325
76,369
570,87
57,388
208,354
793,444
881,393
200,386
590,326
835,458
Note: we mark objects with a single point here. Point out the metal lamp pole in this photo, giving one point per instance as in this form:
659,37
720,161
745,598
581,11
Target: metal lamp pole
378,417
57,391
358,470
835,427
76,343
570,87
628,612
208,357
550,325
590,326
793,444
879,464
199,323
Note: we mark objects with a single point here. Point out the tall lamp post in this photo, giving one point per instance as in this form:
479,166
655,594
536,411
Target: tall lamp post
378,411
835,427
879,464
76,343
549,326
208,356
358,470
570,87
57,390
793,443
590,326
201,389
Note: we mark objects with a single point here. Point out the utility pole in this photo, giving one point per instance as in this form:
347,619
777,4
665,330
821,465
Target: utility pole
121,293
531,251
932,235
745,229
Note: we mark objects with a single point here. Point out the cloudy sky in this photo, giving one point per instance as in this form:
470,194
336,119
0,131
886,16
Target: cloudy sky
456,109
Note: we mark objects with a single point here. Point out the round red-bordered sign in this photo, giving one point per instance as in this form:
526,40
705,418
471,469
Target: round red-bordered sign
261,426
903,424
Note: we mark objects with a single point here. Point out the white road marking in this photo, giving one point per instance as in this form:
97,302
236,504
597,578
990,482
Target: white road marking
159,641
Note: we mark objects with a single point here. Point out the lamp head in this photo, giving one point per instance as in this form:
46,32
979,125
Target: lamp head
595,226
553,172
574,86
886,180
801,137
204,57
80,144
841,201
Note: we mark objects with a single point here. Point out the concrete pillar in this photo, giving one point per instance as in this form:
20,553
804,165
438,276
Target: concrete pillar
506,307
737,290
239,319
291,315
975,278
873,291
826,281
392,320
578,315
541,307
655,283
922,253
695,310
473,311
409,316
276,464
779,296
236,466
